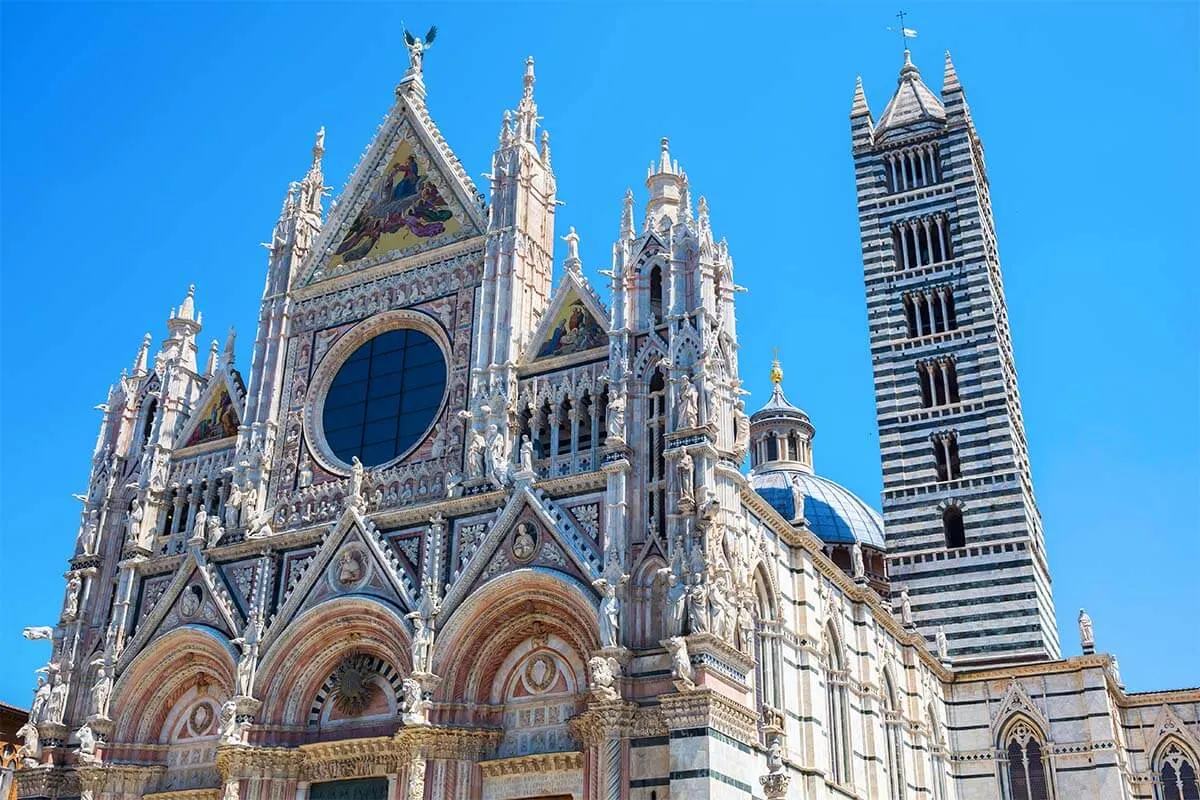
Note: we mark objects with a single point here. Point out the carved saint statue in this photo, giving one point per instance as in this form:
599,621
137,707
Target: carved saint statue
681,664
71,607
86,543
230,731
688,414
722,624
687,477
417,47
603,672
906,615
422,643
1087,635
135,523
610,612
523,544
856,560
349,568
56,705
41,701
232,505
745,622
497,454
476,448
199,522
698,606
101,692
248,662
213,532
87,744
526,454
741,432
356,481
940,642
676,601
616,419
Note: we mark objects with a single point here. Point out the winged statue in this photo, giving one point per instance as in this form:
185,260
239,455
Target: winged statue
417,47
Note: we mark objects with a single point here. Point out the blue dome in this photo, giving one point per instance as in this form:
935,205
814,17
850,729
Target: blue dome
832,511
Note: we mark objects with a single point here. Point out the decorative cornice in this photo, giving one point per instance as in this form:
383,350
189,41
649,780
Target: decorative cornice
527,765
704,708
604,720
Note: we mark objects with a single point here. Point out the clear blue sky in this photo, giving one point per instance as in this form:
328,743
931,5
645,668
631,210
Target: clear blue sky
148,146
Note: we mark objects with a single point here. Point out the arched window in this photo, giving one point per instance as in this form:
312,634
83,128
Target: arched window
1175,773
564,428
1024,763
893,737
836,709
937,757
656,296
766,646
952,526
656,425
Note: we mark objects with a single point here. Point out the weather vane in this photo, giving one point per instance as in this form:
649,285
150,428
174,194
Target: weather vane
905,33
417,47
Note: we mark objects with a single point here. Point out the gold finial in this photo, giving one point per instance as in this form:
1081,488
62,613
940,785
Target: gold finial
776,370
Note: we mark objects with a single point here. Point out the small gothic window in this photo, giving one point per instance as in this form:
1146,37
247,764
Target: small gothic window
656,485
952,525
1177,775
148,426
656,296
1025,767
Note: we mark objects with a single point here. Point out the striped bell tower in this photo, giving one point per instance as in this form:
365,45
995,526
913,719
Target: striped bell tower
963,531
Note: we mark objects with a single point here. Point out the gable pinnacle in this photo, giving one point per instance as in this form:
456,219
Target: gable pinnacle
859,107
627,215
211,368
139,361
950,77
529,78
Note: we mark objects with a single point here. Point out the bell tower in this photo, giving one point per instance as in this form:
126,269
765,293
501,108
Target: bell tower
964,534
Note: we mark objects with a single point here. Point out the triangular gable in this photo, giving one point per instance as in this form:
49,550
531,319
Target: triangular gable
558,542
217,415
1017,701
352,559
574,323
212,605
242,579
408,194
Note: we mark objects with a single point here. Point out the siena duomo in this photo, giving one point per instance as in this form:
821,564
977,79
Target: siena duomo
463,529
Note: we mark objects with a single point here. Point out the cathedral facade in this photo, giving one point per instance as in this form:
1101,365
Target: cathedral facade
464,530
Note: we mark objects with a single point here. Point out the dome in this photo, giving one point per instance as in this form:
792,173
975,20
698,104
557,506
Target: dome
833,512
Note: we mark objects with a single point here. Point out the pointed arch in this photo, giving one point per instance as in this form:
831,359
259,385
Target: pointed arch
893,735
1023,757
1175,768
837,707
937,754
766,646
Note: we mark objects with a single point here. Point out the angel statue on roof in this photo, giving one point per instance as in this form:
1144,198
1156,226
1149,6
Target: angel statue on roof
417,47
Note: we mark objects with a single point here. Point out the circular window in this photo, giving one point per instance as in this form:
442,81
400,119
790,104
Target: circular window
384,397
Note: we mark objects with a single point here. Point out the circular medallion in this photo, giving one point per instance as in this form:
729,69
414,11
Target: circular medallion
540,673
200,719
524,543
350,569
353,687
189,605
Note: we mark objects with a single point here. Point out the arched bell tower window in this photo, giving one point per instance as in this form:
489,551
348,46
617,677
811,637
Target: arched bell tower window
952,525
656,296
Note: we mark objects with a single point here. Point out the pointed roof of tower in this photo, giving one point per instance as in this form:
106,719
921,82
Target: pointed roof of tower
859,107
950,78
913,103
778,405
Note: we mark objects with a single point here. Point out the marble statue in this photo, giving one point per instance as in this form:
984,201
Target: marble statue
101,692
610,612
199,522
232,505
856,561
677,593
232,788
136,514
681,663
71,608
86,543
698,606
745,623
775,754
56,706
523,545
248,662
87,744
603,672
719,605
497,454
687,477
213,531
356,481
906,614
30,750
1087,635
41,700
229,729
943,646
422,643
616,419
688,415
741,432
526,454
416,49
416,707
476,460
